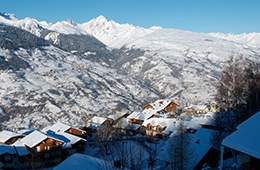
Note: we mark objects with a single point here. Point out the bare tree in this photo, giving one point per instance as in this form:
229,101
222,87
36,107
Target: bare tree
238,91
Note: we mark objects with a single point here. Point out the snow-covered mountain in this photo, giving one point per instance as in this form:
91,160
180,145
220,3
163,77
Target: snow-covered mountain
100,66
41,84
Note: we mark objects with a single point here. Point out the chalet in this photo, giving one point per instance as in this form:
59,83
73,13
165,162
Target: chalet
8,157
163,106
196,109
8,137
117,117
244,146
30,149
159,127
61,127
98,122
72,144
44,150
140,117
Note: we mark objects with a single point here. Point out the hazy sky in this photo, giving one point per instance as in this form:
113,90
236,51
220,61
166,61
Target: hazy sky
227,16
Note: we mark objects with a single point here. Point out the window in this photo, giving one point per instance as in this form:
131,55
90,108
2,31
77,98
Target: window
160,130
46,147
38,149
150,127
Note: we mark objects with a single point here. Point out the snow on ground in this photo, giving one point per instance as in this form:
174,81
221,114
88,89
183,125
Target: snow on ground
79,162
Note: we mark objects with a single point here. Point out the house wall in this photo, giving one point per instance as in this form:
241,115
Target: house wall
172,107
151,131
9,161
76,132
135,121
47,144
148,106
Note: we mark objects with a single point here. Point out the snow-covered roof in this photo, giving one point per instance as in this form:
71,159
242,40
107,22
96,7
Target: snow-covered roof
145,114
66,137
7,149
59,127
35,138
122,123
133,115
160,104
200,145
198,107
98,120
21,148
6,135
247,138
80,161
134,126
196,122
117,115
170,124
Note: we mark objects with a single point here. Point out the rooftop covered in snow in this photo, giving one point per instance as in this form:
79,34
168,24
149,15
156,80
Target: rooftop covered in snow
247,137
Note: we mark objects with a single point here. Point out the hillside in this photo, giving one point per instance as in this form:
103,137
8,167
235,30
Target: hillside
65,70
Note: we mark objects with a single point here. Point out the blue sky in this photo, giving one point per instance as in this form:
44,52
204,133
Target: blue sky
226,16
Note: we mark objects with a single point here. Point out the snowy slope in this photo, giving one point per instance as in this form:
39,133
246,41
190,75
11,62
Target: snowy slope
251,39
44,84
131,66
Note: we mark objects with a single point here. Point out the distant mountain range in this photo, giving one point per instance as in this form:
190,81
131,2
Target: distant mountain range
65,71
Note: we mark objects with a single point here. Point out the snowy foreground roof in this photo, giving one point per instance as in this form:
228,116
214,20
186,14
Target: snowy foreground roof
80,161
247,138
199,144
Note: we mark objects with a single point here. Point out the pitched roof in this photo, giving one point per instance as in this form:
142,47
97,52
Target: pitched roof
170,124
247,138
133,115
6,135
21,148
59,127
158,105
98,120
201,145
66,137
7,149
35,138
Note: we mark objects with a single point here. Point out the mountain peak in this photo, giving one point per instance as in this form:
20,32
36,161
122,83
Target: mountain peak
101,18
8,16
72,22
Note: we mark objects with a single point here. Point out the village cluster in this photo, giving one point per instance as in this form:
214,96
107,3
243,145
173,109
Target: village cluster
159,119
53,144
30,149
